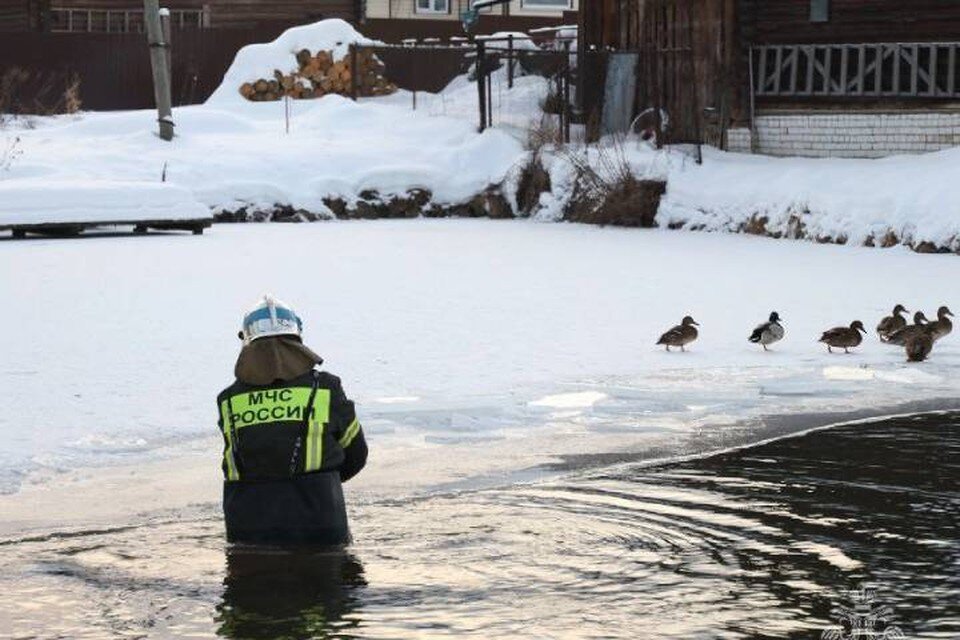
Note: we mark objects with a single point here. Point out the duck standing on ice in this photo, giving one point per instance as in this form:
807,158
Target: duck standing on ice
892,323
680,335
919,346
919,326
942,326
844,337
769,332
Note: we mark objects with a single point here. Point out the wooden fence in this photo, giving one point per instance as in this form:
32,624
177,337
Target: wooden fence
114,69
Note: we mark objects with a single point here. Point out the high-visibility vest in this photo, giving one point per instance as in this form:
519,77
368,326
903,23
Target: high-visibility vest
283,430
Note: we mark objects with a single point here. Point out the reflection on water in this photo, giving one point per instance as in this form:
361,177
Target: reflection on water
281,595
759,543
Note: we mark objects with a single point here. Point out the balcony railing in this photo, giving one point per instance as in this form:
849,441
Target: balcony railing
889,70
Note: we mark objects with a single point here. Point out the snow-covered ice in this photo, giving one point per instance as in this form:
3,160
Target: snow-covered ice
503,340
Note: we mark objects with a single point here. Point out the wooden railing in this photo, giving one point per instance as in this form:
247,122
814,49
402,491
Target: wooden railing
901,70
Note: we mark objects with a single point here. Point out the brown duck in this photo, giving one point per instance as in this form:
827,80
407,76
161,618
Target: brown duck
942,326
919,326
680,335
892,323
919,346
844,337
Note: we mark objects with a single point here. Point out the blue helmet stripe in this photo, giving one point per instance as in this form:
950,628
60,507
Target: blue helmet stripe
264,314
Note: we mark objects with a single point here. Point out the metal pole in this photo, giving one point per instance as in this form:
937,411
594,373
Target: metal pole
354,67
482,84
489,99
753,99
566,93
158,62
510,61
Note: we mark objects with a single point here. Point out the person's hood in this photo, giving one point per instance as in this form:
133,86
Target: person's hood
268,360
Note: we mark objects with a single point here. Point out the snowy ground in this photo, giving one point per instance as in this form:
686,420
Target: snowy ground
472,347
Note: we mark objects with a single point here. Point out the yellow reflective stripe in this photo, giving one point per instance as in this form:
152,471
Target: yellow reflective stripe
350,433
275,405
232,473
314,446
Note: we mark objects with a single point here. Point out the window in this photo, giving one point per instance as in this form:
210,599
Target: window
819,10
118,21
556,5
433,6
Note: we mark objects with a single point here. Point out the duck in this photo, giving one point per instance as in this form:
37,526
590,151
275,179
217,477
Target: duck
918,346
942,326
768,332
680,335
900,337
892,323
844,337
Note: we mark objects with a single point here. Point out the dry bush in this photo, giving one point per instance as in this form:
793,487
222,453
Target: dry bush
533,178
608,192
24,92
10,151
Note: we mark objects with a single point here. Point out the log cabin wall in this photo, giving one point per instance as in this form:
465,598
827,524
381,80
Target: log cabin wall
24,15
15,15
850,21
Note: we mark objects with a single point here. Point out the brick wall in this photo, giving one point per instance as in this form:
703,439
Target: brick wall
849,134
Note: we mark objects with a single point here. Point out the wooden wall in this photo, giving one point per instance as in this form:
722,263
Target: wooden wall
851,21
20,15
690,54
15,15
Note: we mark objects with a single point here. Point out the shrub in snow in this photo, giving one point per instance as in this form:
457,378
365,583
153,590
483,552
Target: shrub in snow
9,153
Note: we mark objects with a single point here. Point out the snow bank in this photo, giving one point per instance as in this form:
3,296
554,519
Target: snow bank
914,198
910,200
239,157
38,201
260,60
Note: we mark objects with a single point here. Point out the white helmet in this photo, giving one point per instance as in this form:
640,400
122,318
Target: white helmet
270,317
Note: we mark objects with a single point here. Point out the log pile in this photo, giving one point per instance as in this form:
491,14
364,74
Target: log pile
321,74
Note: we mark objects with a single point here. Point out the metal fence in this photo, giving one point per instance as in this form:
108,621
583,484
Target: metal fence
900,70
494,82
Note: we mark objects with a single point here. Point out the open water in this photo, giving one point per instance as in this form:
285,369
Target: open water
848,532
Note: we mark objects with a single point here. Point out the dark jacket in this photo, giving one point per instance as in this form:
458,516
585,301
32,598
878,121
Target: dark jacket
287,447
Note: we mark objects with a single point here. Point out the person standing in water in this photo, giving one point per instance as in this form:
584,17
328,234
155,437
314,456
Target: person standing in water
291,438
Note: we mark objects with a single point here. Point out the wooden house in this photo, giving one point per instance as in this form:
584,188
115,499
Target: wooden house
793,77
394,20
122,16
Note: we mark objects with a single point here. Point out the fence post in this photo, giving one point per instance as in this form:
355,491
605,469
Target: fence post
482,83
353,71
158,62
510,61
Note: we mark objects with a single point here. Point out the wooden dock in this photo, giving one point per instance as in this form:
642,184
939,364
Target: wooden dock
68,229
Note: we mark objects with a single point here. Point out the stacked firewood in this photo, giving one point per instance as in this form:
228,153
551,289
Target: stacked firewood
319,75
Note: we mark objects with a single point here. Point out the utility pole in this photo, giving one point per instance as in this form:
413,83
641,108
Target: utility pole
160,65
